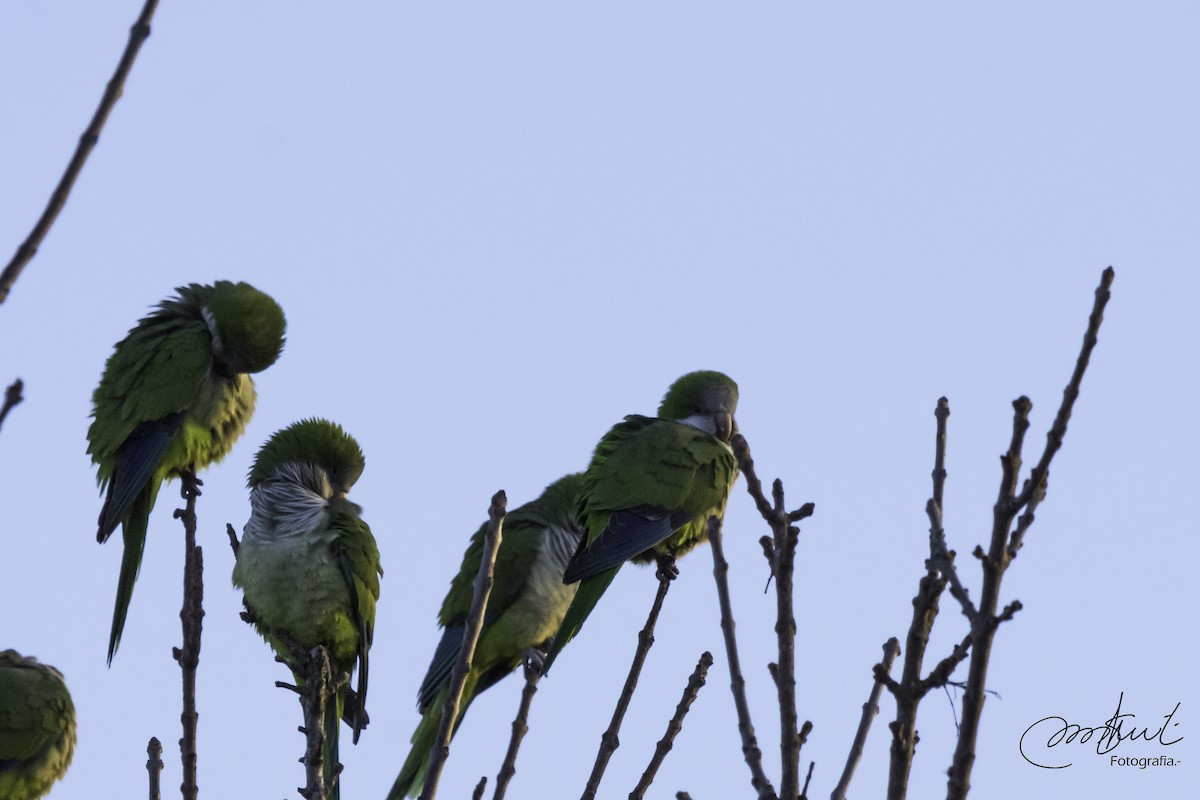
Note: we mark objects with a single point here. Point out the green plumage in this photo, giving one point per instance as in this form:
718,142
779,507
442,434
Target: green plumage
174,397
308,564
526,606
37,727
652,484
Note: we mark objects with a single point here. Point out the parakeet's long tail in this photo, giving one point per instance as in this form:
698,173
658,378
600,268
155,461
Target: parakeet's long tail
133,530
411,779
590,590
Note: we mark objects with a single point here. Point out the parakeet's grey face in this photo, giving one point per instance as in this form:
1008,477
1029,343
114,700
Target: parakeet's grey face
704,400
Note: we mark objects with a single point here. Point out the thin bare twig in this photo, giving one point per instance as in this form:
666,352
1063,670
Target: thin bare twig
112,92
192,617
807,780
480,788
234,544
13,396
737,681
320,687
786,536
891,649
1005,543
609,742
154,766
665,744
520,727
474,625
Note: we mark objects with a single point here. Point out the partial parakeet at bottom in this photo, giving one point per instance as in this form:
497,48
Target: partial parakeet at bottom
37,727
525,608
308,563
652,484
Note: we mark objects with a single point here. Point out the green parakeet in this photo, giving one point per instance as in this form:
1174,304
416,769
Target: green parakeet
174,397
308,563
526,606
651,486
37,727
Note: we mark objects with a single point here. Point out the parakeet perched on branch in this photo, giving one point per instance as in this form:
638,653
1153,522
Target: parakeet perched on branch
525,608
308,563
37,727
651,486
175,395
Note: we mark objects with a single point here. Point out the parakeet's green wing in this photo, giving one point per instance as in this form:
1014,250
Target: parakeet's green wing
519,547
147,386
358,558
663,475
37,727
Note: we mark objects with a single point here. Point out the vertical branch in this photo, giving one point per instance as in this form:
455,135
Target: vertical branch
939,568
520,727
1002,549
891,649
112,92
609,741
737,682
665,744
783,559
192,617
458,676
154,766
318,689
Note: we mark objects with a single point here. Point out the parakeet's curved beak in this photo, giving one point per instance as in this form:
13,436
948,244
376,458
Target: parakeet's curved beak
724,425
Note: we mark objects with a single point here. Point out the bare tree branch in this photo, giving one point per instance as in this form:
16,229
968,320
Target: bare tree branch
665,744
112,92
192,617
737,682
1005,545
480,788
474,625
154,766
870,709
13,396
520,726
609,741
786,536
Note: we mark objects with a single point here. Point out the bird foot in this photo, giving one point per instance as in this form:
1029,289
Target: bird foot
189,484
667,571
535,659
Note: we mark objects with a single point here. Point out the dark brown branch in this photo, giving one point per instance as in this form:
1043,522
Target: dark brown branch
609,741
13,396
807,780
737,682
116,85
1005,543
480,788
870,709
520,725
154,766
234,544
192,617
786,536
474,625
319,689
665,744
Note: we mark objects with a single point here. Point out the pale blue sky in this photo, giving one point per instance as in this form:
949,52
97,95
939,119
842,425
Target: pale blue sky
496,229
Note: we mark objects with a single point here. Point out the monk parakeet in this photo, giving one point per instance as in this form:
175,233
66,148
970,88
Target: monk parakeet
308,563
174,397
525,608
37,727
651,486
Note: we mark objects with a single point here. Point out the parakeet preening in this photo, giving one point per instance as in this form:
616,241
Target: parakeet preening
37,727
308,563
175,395
525,608
652,484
